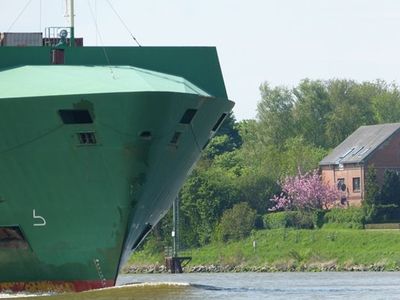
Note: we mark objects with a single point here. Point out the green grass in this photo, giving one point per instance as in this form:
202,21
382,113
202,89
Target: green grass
343,246
145,257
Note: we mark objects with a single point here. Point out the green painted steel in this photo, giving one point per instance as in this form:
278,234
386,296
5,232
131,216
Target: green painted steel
42,81
199,65
96,201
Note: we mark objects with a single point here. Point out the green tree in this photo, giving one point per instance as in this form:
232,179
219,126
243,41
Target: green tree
390,191
389,200
218,145
300,157
372,195
386,104
351,108
274,112
311,111
258,158
204,198
255,188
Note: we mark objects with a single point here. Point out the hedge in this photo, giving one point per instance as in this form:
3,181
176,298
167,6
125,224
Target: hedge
295,219
352,217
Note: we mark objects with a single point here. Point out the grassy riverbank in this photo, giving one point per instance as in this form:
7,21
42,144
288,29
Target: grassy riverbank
291,249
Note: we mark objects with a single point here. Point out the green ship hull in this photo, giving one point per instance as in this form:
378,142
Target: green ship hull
93,153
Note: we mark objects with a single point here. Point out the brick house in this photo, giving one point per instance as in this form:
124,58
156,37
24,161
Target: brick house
345,167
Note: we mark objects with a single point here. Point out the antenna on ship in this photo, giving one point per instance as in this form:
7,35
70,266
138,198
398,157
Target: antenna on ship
70,14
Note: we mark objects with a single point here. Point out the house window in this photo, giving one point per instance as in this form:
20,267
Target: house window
341,185
356,184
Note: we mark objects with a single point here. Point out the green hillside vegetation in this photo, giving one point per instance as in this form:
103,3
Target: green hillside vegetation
345,246
334,241
245,163
291,249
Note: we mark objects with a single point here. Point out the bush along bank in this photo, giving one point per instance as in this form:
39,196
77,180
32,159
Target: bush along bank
288,249
352,217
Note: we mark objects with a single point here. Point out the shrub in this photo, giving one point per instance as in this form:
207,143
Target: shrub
293,219
302,219
352,217
318,218
386,213
382,204
372,195
258,222
152,245
275,220
236,223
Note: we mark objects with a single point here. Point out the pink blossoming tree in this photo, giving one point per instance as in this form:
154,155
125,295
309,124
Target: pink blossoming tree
305,192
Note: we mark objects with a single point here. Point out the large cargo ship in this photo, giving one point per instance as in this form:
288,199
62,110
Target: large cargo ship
95,145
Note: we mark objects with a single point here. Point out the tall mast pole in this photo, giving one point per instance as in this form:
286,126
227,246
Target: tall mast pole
175,227
71,16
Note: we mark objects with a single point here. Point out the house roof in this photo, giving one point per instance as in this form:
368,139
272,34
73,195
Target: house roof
55,80
360,144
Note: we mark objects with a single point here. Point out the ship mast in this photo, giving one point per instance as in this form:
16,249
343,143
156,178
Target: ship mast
71,17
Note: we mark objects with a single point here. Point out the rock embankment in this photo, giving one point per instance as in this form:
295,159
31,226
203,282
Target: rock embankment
277,267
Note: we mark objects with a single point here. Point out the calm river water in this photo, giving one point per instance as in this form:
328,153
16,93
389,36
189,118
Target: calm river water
232,286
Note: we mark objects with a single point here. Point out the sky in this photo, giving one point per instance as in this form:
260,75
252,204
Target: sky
276,41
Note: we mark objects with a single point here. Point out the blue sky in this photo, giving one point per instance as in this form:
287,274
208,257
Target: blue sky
278,41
